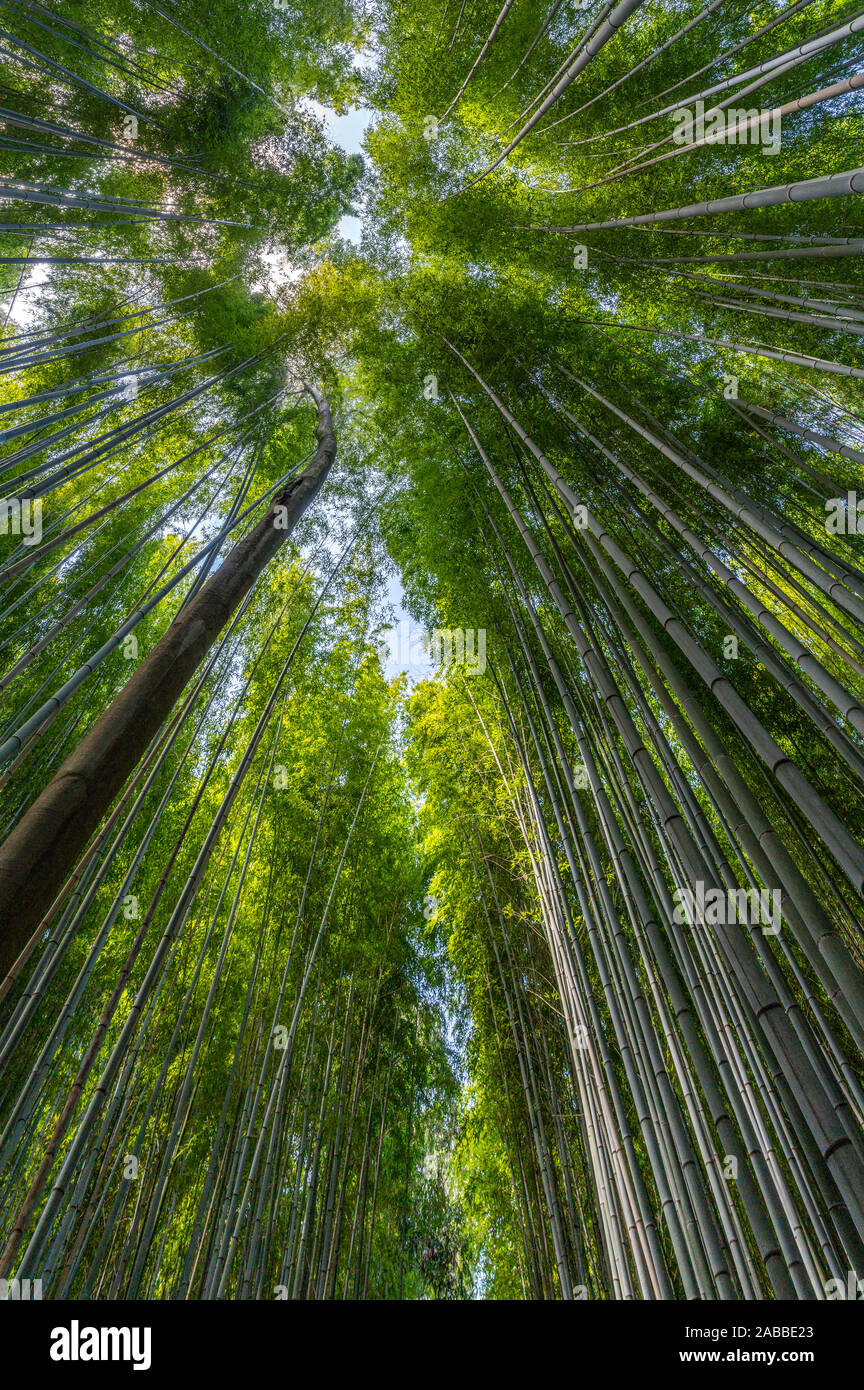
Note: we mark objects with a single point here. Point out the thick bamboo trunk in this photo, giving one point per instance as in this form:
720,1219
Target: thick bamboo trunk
834,186
43,849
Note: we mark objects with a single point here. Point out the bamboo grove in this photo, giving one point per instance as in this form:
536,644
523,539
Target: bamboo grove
541,977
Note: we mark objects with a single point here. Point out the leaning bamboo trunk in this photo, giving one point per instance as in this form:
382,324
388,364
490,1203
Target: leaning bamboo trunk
42,850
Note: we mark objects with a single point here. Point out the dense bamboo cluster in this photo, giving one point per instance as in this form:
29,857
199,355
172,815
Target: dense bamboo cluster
543,978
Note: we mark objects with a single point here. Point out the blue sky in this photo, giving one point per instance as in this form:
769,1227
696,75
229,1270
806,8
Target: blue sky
346,131
403,638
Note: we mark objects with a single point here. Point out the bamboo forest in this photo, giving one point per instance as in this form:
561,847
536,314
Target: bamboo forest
432,650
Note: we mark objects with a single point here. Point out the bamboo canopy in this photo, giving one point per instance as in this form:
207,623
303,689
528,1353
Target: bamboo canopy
431,657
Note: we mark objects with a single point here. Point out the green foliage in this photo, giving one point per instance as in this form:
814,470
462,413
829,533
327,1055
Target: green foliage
434,1130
